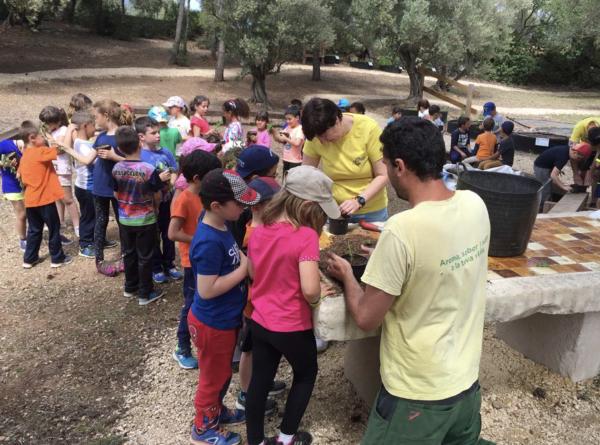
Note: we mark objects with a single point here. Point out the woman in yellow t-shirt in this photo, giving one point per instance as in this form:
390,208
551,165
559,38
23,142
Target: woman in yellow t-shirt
348,148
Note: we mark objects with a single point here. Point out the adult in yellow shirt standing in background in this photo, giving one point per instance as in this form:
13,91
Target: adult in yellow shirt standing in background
425,284
586,172
348,148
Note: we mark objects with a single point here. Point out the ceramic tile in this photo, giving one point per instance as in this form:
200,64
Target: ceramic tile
566,237
535,246
562,260
594,266
543,270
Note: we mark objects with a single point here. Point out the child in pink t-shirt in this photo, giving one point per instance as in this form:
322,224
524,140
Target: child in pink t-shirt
287,247
292,139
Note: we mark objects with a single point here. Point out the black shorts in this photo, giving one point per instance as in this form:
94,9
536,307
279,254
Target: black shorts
245,336
287,166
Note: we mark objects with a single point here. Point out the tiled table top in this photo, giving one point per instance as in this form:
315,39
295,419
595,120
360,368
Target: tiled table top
557,245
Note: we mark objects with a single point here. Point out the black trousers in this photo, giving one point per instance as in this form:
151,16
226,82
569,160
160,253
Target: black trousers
164,252
138,244
36,218
300,351
102,207
87,221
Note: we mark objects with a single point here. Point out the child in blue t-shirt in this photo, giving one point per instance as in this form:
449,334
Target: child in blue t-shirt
163,261
215,317
10,154
108,116
137,191
460,142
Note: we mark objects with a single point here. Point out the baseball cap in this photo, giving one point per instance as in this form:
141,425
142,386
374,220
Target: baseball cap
226,185
343,103
254,159
488,107
158,114
584,149
193,144
508,127
312,184
174,101
265,186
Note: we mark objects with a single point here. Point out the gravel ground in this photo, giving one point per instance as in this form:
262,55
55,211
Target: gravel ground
161,410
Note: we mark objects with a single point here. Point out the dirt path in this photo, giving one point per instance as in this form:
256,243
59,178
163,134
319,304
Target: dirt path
7,80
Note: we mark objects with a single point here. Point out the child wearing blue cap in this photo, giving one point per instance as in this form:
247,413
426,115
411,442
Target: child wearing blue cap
489,110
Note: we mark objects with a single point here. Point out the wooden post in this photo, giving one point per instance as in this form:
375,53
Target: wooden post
470,89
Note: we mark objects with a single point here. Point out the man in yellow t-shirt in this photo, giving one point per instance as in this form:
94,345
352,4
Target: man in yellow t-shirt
586,172
426,285
348,148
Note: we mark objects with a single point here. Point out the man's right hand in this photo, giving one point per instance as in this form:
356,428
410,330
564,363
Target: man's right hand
337,267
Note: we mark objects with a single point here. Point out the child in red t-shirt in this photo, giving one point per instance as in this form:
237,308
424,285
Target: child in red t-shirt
185,212
200,126
287,247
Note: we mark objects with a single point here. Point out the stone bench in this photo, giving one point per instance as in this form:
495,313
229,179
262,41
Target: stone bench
551,314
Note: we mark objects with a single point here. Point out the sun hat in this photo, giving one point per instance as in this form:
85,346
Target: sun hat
312,184
158,114
226,185
174,101
254,159
193,144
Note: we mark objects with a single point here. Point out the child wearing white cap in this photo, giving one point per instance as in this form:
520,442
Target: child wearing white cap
177,109
287,247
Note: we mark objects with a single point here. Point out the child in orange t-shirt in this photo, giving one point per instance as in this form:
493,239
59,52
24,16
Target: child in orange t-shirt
485,144
266,186
185,212
42,190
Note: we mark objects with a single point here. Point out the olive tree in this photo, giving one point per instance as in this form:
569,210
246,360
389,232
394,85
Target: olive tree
264,34
455,34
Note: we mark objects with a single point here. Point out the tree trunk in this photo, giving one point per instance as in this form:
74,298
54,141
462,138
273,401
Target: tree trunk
416,79
186,30
440,84
316,64
69,14
123,7
176,52
259,87
220,64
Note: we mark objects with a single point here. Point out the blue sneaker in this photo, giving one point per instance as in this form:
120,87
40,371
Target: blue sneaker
87,252
215,436
186,361
175,274
154,295
159,278
23,245
66,260
232,416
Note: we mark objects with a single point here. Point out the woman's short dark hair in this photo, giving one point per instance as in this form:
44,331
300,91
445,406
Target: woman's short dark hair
419,143
318,116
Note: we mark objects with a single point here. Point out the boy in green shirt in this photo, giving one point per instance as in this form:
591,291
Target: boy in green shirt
170,138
